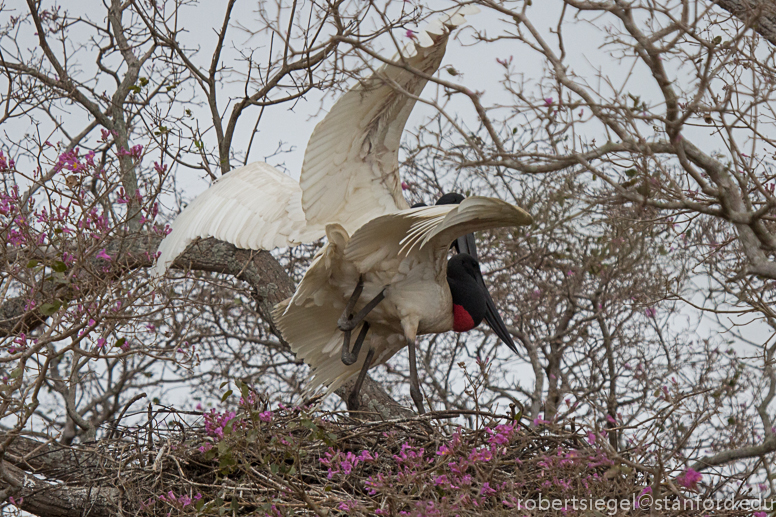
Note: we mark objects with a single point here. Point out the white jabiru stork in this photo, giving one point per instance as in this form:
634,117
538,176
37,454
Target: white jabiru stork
349,185
391,278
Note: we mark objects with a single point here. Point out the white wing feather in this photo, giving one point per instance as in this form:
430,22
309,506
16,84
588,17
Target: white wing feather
252,207
409,231
350,173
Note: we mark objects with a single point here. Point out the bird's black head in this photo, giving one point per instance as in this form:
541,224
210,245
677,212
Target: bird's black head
471,300
465,243
451,198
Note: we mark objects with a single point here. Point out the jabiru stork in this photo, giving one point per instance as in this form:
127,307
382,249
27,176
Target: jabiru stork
350,185
392,279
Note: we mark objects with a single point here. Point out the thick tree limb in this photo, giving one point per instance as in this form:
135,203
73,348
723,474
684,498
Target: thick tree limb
725,457
268,278
760,14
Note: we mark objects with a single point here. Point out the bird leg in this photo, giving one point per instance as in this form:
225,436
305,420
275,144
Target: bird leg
353,400
417,396
348,322
348,313
349,357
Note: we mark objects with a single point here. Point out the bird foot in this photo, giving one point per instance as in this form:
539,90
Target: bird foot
349,357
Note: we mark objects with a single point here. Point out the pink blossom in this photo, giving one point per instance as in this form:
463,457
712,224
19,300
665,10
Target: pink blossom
486,490
548,101
689,479
266,416
136,151
650,312
103,255
6,164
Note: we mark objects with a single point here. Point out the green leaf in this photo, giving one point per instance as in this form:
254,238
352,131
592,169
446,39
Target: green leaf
47,309
224,384
17,372
631,172
134,89
514,130
155,400
717,40
244,389
32,263
226,395
143,81
120,342
59,266
227,460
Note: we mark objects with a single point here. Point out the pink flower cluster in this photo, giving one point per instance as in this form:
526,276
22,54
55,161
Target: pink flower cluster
343,463
71,161
6,164
136,151
689,479
215,424
181,501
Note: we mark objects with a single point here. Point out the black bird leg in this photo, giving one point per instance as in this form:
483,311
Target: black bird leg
417,396
353,400
348,313
349,357
348,322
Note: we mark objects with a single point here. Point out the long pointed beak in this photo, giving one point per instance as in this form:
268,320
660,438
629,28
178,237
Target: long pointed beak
493,318
466,244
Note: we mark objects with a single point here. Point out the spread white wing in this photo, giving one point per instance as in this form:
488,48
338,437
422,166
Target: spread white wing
350,173
252,207
431,228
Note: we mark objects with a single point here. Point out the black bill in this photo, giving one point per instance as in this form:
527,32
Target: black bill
466,244
492,316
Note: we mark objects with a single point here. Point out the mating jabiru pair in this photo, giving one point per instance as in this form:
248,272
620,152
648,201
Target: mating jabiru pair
384,272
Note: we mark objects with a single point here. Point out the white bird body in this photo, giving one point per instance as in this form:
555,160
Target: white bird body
404,253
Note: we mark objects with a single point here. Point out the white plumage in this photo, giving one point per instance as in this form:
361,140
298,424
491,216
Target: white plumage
405,252
350,190
350,171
